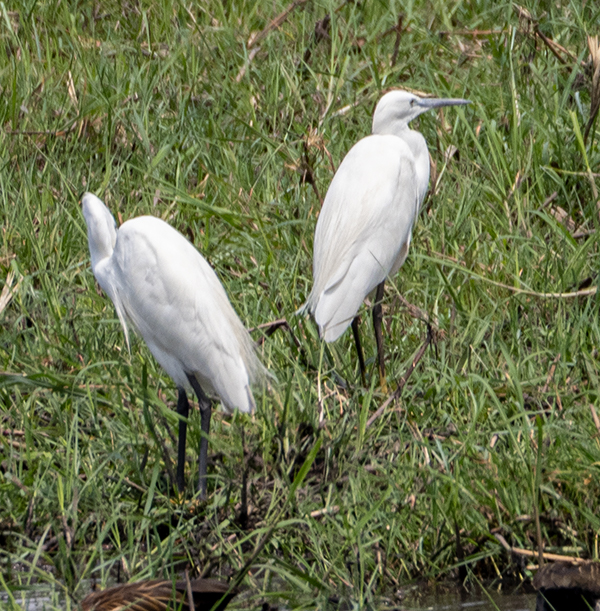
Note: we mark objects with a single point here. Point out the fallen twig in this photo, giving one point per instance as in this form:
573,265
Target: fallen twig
528,553
44,132
396,394
319,513
550,199
592,290
254,39
8,290
474,33
554,47
274,23
307,169
321,33
583,233
13,433
416,312
16,444
398,37
547,556
271,327
190,594
550,374
340,112
126,480
242,72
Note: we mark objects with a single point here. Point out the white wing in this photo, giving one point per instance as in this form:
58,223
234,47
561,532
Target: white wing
364,229
174,299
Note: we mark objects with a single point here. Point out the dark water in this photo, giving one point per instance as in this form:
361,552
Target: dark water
45,600
481,601
41,599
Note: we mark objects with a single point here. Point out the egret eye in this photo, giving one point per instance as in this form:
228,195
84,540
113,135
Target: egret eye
412,102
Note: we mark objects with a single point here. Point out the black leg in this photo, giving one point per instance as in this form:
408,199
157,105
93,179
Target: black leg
205,412
183,408
243,516
377,317
361,356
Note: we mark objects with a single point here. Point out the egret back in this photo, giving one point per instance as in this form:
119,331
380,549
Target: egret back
176,302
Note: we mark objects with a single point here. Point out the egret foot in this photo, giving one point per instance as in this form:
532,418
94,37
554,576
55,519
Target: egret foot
383,383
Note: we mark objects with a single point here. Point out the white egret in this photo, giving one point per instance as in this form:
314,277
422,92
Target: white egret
365,225
161,285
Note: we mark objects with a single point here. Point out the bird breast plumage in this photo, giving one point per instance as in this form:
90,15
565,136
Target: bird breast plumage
364,229
174,299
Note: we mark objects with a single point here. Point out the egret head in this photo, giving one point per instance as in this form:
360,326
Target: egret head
397,108
102,229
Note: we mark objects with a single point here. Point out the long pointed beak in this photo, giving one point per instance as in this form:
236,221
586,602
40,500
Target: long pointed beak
427,103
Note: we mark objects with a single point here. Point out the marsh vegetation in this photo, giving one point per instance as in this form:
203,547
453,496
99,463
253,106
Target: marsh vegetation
226,119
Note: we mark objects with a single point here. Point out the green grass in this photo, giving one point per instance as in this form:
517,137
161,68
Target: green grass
160,107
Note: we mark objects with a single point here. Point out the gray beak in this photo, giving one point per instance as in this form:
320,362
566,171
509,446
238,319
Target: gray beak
427,103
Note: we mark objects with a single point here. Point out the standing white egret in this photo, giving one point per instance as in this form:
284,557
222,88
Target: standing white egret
163,286
365,225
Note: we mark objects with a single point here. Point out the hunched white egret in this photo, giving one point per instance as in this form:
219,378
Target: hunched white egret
366,222
161,285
